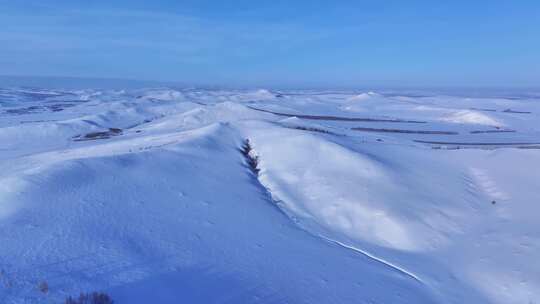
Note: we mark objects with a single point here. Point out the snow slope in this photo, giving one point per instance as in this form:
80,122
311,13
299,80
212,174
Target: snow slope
359,197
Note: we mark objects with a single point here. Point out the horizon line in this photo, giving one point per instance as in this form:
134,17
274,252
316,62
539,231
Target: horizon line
132,82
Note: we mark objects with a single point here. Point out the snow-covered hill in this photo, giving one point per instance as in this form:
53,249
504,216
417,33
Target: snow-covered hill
358,197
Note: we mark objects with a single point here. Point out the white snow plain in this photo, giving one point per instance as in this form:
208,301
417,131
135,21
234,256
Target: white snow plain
359,197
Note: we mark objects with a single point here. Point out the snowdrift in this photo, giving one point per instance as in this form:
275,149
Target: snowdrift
146,195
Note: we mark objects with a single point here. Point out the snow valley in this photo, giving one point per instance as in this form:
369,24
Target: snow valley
257,196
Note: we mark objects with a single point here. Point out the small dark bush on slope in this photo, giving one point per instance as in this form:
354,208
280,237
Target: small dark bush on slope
251,159
43,287
90,298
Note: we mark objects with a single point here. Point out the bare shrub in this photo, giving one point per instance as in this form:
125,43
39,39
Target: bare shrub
311,129
43,287
5,279
90,298
251,159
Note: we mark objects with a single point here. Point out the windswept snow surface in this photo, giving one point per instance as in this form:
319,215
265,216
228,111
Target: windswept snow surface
358,197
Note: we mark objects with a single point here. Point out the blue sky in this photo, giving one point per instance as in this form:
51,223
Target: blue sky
276,43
